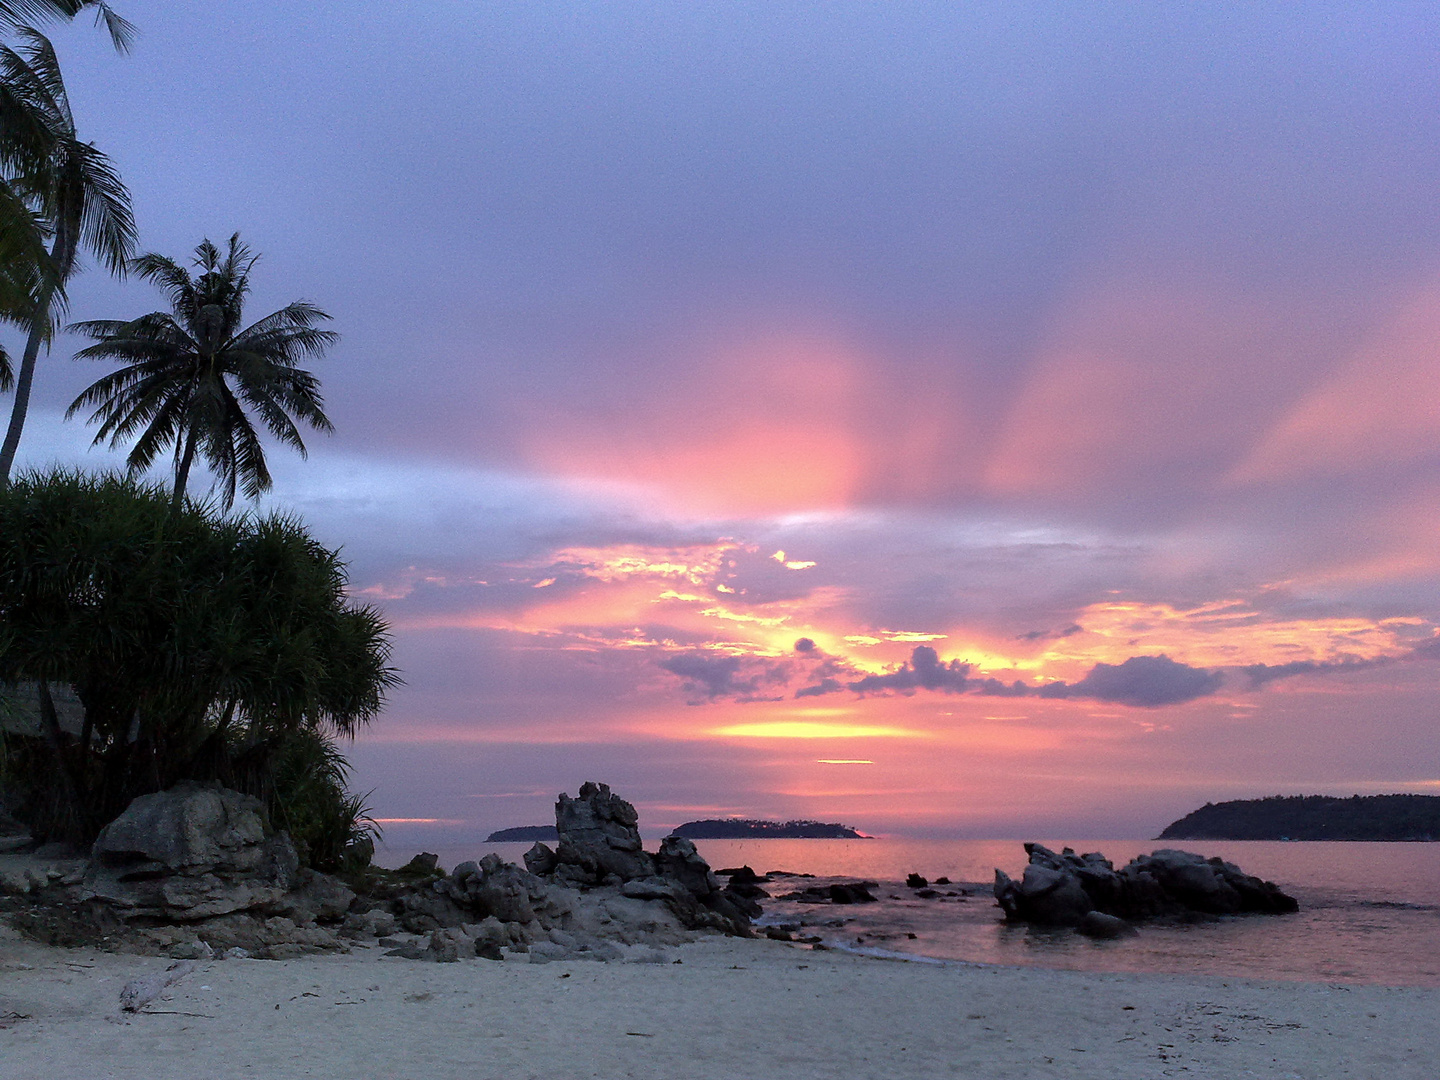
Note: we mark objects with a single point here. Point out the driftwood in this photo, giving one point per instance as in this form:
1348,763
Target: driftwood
137,993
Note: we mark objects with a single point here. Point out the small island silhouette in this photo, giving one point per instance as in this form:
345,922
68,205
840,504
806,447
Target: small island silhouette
1313,817
752,829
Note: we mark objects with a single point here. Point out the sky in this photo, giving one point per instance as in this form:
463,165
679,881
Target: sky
998,419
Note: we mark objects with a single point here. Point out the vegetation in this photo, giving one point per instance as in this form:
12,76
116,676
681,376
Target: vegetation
1313,817
54,189
191,372
748,829
201,646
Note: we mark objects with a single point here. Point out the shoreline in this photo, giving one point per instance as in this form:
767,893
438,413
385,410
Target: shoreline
731,1007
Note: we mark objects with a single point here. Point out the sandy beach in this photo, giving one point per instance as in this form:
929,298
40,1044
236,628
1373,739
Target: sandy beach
731,1008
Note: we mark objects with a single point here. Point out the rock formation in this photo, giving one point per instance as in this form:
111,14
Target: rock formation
599,839
193,871
190,853
1065,889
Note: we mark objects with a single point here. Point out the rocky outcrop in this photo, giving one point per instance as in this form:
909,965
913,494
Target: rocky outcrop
599,839
194,869
1069,889
192,852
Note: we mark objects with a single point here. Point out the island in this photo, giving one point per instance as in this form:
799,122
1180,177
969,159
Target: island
751,829
523,834
1313,817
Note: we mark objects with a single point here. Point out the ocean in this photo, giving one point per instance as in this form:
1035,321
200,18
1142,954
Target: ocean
1369,912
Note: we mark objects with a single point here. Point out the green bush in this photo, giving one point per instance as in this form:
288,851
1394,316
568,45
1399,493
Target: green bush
201,646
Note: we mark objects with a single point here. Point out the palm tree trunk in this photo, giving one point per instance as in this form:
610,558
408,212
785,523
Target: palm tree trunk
182,472
38,326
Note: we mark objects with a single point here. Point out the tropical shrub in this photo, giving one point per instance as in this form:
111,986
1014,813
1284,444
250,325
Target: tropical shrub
201,646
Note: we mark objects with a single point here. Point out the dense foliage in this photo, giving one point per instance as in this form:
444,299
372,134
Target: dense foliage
1313,817
201,646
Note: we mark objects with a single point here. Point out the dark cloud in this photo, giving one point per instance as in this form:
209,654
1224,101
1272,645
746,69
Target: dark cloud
708,676
824,686
925,671
1050,635
1145,682
804,645
1260,674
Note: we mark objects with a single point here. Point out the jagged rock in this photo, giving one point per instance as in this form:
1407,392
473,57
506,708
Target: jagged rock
915,881
541,860
679,861
851,894
1066,889
316,897
599,837
192,852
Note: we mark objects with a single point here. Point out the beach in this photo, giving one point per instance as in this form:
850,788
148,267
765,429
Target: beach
730,1008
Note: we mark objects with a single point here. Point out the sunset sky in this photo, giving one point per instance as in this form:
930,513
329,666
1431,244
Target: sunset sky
993,419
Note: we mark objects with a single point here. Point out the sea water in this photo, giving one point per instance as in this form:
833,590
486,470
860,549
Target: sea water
1369,912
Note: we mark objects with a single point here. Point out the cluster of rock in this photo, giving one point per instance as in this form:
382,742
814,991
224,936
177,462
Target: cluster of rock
195,869
1086,891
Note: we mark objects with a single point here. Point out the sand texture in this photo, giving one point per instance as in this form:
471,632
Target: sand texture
732,1008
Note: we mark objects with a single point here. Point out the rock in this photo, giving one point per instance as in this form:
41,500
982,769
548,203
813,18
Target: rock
678,860
926,894
426,864
540,860
653,888
915,881
444,947
851,894
15,843
741,875
1097,924
942,881
1064,889
316,897
599,836
190,853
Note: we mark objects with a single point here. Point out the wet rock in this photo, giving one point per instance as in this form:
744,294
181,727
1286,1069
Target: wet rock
915,881
1063,889
1097,924
851,894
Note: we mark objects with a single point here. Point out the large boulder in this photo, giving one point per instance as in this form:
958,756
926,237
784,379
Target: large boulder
599,838
192,852
1066,889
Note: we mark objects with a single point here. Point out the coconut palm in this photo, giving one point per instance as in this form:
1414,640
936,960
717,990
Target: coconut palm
28,138
191,373
77,198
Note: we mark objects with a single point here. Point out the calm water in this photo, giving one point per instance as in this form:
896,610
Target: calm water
1369,912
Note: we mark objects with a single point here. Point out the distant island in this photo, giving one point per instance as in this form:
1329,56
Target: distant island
522,834
1313,817
750,829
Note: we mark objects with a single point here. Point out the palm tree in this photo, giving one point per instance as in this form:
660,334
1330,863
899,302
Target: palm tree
77,199
191,373
27,142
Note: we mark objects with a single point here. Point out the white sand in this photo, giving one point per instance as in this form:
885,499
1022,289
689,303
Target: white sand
752,1009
